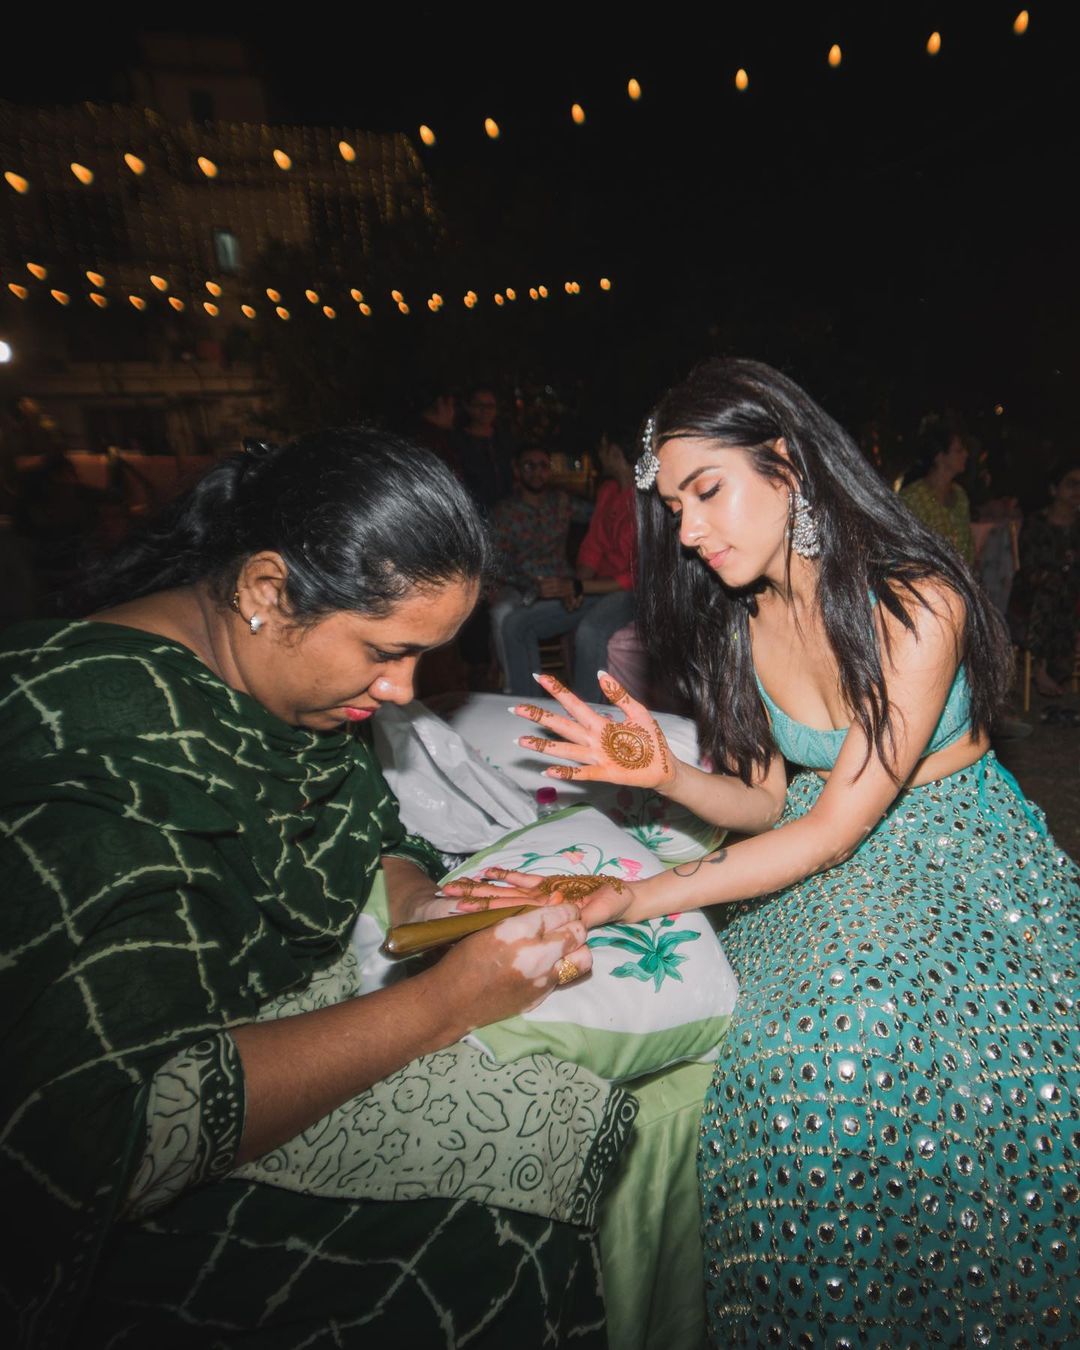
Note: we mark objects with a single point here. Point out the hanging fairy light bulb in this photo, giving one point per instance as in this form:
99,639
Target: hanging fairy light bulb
742,80
176,303
433,306
426,134
347,153
577,113
312,297
403,308
36,270
95,278
438,299
16,181
282,312
1020,23
365,309
213,288
492,128
933,44
534,294
543,292
835,55
247,311
16,289
358,296
500,299
568,287
329,311
82,173
397,297
511,294
273,296
208,167
211,308
282,160
605,283
158,283
633,89
98,299
135,164
61,297
137,302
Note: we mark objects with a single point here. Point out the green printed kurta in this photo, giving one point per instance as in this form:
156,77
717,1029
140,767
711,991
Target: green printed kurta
175,858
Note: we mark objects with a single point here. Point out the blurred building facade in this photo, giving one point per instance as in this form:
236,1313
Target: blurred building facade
145,247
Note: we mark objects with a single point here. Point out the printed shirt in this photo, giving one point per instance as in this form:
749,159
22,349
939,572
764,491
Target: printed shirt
531,539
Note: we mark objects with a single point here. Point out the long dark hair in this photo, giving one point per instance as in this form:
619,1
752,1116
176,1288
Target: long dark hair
360,517
697,630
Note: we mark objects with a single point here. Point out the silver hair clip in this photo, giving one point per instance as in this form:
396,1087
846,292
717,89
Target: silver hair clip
648,466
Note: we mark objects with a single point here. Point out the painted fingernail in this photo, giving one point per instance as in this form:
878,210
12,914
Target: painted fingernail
538,678
603,675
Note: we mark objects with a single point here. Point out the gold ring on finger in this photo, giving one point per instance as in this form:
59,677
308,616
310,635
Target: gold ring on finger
565,971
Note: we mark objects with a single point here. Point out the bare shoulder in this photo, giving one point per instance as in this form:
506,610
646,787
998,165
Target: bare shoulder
937,613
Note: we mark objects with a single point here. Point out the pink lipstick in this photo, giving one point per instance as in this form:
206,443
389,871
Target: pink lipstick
359,714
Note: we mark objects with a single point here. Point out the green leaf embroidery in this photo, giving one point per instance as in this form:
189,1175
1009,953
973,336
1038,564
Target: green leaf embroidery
658,960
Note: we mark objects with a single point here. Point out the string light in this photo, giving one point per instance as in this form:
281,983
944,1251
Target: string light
211,308
428,136
543,292
137,302
469,300
356,295
742,80
282,312
273,296
933,43
577,112
397,297
534,294
135,164
213,288
492,128
312,297
835,55
1020,23
82,173
16,181
438,299
365,310
95,278
500,299
633,88
158,283
16,289
61,297
403,307
605,283
329,311
36,270
511,294
176,303
433,306
209,168
282,160
247,311
98,299
347,153
568,287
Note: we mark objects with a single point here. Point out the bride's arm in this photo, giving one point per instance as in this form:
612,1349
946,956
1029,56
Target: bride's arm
918,673
635,752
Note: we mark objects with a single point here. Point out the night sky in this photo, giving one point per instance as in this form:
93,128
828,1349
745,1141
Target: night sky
898,232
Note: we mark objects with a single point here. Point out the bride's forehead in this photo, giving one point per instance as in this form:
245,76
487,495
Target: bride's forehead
684,454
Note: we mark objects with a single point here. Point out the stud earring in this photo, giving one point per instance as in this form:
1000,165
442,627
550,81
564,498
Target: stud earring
254,623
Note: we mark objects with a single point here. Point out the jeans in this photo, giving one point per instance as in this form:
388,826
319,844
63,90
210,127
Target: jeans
592,623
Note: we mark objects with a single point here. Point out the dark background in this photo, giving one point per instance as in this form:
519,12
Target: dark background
899,233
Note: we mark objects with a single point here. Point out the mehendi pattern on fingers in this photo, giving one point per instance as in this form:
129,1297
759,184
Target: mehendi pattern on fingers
536,743
531,711
627,744
614,691
555,685
578,887
562,771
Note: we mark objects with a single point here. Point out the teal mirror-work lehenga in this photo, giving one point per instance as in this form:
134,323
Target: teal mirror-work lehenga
890,1152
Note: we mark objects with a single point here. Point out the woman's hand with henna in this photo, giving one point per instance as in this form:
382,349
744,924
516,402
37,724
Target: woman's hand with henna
633,752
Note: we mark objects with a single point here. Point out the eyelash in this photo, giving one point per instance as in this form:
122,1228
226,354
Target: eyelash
676,516
385,656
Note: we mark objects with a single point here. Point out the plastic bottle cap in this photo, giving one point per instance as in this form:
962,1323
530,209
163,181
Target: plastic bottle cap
546,796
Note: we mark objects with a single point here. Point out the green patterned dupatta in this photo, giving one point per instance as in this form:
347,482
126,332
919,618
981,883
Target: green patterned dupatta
175,859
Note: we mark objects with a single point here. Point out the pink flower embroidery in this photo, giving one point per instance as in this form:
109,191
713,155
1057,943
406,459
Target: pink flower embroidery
575,855
631,867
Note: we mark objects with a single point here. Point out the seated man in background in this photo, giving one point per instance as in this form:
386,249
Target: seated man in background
591,604
530,530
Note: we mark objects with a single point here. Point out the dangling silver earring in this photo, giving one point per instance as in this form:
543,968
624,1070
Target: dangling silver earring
255,623
804,531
